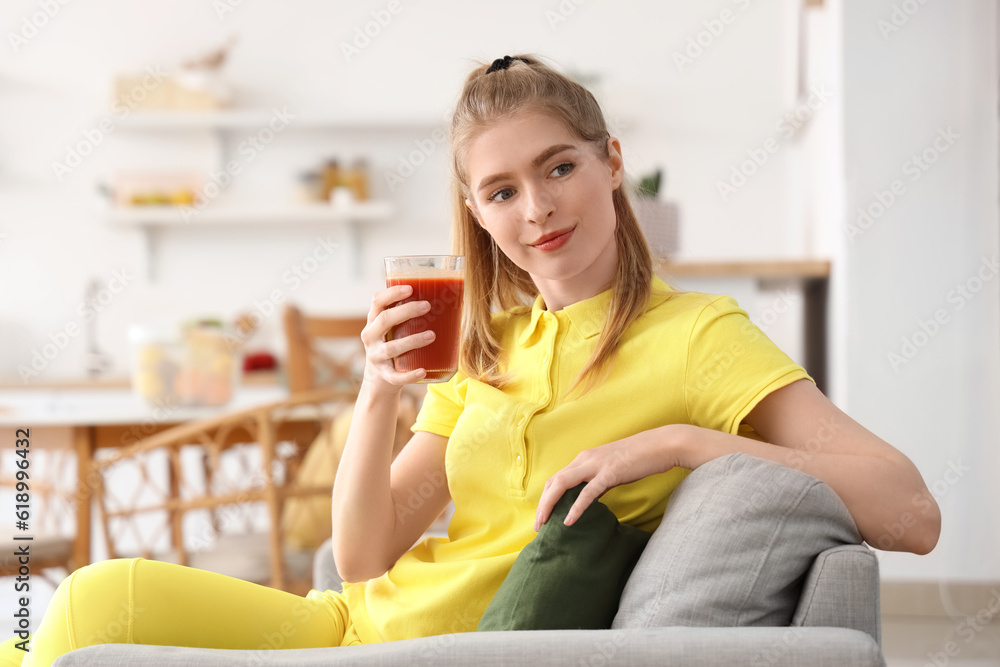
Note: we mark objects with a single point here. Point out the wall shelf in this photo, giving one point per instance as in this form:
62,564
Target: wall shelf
150,219
249,119
222,129
174,216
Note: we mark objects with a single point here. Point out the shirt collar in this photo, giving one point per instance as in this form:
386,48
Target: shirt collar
588,316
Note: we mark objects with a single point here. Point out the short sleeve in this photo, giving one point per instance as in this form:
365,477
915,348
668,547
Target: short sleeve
442,406
731,365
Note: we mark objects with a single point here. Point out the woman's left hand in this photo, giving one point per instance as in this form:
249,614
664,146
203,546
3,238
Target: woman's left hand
605,467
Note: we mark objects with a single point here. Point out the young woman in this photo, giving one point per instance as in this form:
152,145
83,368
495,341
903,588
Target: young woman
608,377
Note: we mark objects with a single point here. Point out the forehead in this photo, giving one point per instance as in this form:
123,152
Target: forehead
513,142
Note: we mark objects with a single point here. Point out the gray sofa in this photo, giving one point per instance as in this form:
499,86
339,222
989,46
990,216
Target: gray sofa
716,584
836,623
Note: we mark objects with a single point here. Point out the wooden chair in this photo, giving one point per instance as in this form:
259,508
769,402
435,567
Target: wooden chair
307,365
264,444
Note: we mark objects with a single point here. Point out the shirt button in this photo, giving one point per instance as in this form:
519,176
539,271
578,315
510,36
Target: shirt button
545,360
518,459
521,421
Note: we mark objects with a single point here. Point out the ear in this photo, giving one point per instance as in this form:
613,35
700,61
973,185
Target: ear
472,211
615,162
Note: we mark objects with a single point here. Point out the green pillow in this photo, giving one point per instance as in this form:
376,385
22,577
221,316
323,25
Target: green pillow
568,577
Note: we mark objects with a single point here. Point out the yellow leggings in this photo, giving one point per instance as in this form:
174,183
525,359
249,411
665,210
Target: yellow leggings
138,601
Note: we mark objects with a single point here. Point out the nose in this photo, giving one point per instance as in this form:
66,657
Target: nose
540,204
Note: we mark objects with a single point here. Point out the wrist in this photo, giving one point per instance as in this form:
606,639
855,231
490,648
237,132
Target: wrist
676,442
374,393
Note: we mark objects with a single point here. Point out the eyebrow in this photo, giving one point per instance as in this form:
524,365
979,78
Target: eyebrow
537,162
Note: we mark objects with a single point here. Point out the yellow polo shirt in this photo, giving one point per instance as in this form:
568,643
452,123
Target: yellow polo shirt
692,358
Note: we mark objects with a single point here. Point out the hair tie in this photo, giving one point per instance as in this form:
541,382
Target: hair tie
503,63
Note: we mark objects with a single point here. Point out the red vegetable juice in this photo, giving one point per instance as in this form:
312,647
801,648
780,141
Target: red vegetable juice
444,292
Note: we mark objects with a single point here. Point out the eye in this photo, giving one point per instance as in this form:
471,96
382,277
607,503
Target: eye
563,169
501,195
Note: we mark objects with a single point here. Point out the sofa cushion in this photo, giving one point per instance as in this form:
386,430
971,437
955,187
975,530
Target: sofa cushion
568,577
736,541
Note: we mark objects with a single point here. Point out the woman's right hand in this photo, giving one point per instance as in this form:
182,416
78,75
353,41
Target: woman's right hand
380,373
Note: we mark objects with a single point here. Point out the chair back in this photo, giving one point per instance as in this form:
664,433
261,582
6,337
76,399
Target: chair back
210,493
308,366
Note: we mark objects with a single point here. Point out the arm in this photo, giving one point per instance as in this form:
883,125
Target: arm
881,488
375,519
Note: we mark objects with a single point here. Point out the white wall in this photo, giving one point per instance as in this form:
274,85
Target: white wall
697,121
938,71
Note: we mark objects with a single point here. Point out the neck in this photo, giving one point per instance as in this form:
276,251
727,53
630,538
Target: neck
559,293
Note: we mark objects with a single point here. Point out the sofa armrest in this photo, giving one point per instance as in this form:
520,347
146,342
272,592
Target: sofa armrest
692,647
842,590
325,575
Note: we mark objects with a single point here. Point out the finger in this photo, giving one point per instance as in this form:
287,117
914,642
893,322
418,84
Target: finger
396,315
387,297
591,492
396,347
555,487
378,328
409,377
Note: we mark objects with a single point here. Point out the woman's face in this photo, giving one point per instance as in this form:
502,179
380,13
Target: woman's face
544,195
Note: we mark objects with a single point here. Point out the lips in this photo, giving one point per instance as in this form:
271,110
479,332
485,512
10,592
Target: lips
554,240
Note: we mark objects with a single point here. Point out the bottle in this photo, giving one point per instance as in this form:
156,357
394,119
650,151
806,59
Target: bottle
331,178
356,178
309,184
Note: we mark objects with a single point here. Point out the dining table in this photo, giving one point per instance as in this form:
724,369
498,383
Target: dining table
89,418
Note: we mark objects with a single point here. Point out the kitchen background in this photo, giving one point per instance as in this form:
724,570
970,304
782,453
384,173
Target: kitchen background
860,132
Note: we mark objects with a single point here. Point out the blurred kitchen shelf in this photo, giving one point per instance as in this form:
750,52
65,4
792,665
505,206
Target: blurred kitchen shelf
223,130
252,119
172,216
149,219
762,269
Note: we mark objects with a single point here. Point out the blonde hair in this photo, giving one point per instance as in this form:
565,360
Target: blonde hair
494,282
